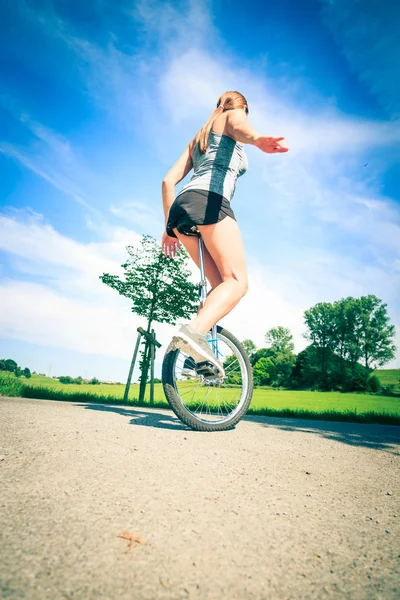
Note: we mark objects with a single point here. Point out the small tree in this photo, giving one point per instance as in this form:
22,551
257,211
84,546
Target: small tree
280,339
159,288
94,381
27,373
280,352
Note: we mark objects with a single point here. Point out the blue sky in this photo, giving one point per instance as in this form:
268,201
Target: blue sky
99,98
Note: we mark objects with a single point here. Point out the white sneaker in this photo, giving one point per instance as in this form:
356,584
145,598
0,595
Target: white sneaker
196,345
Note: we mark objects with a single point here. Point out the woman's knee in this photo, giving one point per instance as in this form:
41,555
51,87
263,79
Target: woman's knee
240,285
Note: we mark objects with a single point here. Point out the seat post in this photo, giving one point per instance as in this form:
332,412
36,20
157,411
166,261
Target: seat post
203,281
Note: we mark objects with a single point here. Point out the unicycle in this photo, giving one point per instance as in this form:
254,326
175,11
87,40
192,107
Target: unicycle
203,401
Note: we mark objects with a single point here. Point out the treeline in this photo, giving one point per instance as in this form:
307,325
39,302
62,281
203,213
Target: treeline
348,339
7,364
77,380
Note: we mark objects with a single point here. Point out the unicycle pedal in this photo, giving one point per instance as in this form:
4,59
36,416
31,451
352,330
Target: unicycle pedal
207,370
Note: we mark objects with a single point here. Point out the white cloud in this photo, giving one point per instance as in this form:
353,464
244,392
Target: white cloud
36,314
326,131
367,33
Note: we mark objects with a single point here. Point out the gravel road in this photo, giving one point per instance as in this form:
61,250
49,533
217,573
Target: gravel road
277,508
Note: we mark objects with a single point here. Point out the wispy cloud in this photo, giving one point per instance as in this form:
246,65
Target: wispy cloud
144,217
57,180
368,35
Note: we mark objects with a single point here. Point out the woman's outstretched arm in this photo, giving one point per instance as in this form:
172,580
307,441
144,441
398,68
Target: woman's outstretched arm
243,132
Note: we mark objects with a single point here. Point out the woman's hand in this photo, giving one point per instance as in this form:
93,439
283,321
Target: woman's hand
272,145
170,245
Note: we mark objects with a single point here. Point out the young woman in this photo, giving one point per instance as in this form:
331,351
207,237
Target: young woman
217,156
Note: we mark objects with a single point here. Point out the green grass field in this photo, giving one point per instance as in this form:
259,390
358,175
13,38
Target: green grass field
264,399
389,377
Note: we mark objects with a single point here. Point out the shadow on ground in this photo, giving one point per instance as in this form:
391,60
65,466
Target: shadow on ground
138,416
378,437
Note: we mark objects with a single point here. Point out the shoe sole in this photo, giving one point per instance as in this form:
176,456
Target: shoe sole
188,346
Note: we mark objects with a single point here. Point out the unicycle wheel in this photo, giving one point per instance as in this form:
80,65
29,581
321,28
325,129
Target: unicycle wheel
206,403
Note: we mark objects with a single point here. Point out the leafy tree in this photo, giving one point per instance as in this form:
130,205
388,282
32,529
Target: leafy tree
249,346
263,371
377,346
158,287
346,338
305,372
280,339
341,330
281,354
320,332
2,365
10,364
342,334
260,353
17,371
27,373
94,381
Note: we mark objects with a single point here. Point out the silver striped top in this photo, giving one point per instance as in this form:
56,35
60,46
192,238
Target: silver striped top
219,167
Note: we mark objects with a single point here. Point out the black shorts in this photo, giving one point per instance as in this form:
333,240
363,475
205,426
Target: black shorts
197,207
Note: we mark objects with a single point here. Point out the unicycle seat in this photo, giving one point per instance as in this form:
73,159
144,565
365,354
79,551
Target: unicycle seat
187,228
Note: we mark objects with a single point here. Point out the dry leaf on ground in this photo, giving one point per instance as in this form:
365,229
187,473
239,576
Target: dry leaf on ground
132,538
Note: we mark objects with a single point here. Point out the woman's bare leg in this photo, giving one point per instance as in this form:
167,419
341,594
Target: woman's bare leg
212,273
224,243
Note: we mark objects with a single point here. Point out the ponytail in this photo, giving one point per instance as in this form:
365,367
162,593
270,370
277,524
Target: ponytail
228,101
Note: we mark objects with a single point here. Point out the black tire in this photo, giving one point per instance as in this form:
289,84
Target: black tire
183,413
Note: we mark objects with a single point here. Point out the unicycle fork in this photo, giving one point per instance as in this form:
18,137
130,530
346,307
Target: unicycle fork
213,340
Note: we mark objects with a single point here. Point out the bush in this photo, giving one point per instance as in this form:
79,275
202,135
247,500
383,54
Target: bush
360,380
67,379
94,381
373,384
388,390
10,385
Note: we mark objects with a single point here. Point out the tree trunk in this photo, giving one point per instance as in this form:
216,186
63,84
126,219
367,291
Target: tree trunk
144,371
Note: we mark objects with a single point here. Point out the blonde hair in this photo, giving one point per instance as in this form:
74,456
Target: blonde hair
227,101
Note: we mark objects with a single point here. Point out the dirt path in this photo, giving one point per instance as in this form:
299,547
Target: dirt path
277,508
